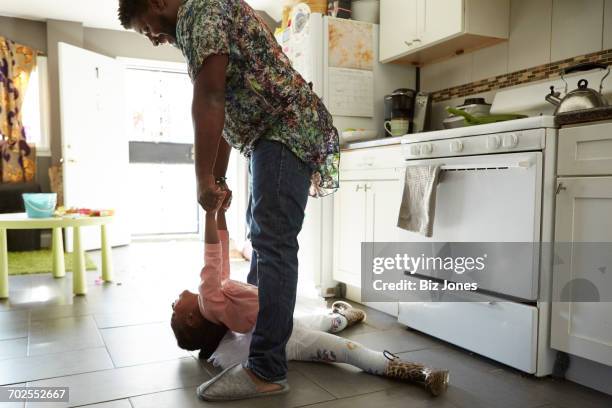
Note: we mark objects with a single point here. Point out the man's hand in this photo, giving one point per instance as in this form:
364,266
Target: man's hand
210,195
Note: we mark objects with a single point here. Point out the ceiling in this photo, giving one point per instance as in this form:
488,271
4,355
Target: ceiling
94,13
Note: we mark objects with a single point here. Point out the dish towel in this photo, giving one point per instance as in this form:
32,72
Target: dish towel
419,199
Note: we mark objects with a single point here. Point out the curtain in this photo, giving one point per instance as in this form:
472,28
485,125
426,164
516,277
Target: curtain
16,63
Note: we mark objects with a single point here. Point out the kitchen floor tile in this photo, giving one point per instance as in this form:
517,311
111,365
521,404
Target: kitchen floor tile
142,344
125,382
13,404
396,397
68,333
476,381
16,370
128,321
13,324
133,316
78,308
395,341
13,348
124,403
342,380
303,392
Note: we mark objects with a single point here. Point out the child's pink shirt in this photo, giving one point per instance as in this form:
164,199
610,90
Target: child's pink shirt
222,300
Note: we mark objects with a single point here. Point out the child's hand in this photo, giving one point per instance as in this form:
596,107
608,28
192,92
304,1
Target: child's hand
219,206
210,195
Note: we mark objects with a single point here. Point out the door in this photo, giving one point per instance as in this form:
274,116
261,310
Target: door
398,27
384,199
350,230
94,150
494,199
383,202
583,327
585,150
438,19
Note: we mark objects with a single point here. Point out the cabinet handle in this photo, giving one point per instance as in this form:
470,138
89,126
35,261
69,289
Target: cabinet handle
560,187
408,43
358,187
367,187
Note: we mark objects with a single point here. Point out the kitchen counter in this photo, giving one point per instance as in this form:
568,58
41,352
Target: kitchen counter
534,122
586,115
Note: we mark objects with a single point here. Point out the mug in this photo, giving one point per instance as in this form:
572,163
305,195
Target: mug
397,127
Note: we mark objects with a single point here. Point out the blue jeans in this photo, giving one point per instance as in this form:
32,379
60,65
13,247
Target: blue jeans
280,183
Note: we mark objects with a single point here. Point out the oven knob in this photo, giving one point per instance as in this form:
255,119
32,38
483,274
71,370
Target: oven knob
415,150
427,148
510,140
456,146
493,142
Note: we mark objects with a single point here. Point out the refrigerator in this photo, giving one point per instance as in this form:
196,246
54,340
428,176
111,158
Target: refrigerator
340,58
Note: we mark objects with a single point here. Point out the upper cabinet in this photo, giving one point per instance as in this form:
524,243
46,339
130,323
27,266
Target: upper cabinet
398,26
422,31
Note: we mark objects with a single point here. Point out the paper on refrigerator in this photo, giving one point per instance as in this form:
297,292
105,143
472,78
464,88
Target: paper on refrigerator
350,68
351,92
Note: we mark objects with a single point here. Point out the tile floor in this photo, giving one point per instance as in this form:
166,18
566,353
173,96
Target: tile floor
114,348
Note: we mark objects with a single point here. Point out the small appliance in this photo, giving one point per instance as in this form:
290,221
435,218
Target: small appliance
399,105
422,112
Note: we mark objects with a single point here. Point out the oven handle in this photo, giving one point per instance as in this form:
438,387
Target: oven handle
524,164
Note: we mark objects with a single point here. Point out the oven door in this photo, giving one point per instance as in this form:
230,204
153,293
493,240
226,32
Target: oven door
495,199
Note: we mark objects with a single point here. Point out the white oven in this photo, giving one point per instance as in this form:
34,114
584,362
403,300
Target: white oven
489,198
490,190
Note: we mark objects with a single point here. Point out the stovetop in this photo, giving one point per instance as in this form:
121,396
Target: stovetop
535,122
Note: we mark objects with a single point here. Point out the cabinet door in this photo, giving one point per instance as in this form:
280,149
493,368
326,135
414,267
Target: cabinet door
583,213
383,204
350,222
384,199
438,19
585,150
398,20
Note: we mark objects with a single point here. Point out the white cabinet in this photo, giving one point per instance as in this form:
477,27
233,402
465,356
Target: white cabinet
399,28
438,19
585,150
421,31
349,231
364,211
366,207
581,327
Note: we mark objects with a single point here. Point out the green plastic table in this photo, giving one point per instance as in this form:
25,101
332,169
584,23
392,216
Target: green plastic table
79,285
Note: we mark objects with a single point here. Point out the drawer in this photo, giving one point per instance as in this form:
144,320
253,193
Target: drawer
501,330
385,157
585,150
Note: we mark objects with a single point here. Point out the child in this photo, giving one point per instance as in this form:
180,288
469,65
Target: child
202,322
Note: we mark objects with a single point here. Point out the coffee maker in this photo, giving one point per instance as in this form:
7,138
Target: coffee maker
399,105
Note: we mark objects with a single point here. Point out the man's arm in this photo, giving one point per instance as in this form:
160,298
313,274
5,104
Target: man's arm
208,112
220,170
223,155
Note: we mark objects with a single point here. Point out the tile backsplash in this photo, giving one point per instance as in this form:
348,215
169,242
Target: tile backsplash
537,73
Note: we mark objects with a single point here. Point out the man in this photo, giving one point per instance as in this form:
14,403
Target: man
246,91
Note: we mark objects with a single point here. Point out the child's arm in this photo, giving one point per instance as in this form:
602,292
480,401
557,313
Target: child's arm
221,223
211,236
224,237
211,274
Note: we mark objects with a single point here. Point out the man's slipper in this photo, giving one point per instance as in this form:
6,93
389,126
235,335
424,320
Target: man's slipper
234,383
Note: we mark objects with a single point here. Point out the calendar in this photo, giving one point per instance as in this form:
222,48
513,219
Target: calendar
351,92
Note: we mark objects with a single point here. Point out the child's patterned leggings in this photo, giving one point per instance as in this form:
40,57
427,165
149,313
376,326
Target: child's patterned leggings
309,344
